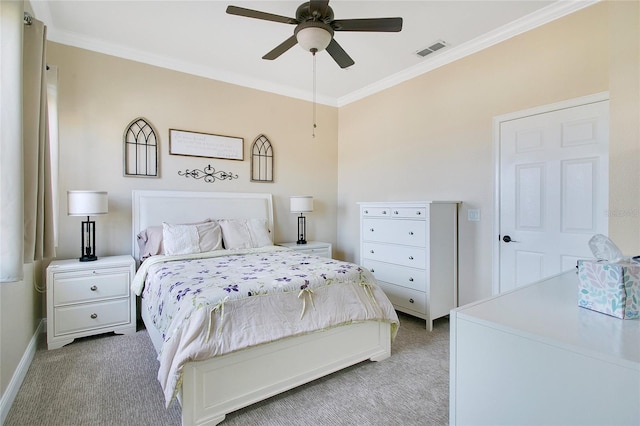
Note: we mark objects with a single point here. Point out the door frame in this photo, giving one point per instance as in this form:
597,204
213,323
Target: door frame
497,121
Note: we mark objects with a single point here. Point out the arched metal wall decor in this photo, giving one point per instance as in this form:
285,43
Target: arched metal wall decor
261,160
140,149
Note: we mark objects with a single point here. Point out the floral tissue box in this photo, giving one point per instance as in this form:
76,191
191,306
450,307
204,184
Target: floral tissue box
610,288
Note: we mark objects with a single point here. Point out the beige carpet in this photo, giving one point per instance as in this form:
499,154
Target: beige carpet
111,380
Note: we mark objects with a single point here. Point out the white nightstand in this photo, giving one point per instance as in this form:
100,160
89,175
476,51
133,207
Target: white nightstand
86,298
312,247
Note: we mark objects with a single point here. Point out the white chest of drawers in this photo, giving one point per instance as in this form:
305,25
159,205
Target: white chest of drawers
86,298
411,248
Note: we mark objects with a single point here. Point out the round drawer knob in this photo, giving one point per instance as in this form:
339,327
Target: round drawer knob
410,257
411,301
371,229
94,316
372,270
418,212
384,212
371,251
94,288
410,232
410,280
396,212
366,212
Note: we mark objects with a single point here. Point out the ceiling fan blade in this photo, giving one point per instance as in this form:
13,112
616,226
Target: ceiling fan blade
250,13
281,48
339,55
372,24
318,7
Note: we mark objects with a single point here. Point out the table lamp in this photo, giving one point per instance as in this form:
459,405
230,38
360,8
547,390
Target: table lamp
87,203
301,204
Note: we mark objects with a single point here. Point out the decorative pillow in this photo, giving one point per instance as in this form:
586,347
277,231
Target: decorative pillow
260,233
150,242
245,233
180,239
188,239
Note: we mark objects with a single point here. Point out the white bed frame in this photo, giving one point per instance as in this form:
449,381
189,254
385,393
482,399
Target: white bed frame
215,387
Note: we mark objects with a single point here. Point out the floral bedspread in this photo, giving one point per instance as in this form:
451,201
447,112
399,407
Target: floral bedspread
223,301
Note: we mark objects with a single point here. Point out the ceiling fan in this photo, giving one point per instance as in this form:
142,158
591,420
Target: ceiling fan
315,26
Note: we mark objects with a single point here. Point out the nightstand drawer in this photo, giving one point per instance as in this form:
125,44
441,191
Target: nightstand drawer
322,251
76,288
316,248
75,318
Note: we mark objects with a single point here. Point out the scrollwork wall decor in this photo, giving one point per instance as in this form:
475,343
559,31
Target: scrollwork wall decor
208,174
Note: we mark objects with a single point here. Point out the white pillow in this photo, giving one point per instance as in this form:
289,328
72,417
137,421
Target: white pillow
245,233
188,239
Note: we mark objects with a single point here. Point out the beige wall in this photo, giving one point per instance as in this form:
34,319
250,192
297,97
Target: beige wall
431,138
624,87
100,95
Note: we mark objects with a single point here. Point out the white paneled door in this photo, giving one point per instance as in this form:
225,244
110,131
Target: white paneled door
554,187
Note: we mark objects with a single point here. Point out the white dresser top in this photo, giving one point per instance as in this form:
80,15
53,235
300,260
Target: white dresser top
410,203
548,311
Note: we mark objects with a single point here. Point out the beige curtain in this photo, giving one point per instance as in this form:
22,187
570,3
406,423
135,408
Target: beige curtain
11,190
38,202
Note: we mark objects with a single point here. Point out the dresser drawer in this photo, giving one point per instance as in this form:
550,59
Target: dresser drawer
83,287
88,316
395,274
376,211
402,255
406,232
405,298
409,212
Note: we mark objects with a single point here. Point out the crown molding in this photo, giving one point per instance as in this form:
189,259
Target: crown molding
536,19
545,15
92,44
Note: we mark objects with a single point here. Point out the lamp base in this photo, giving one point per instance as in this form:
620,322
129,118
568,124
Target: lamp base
302,230
88,241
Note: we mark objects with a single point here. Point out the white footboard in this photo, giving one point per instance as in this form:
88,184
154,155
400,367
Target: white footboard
218,386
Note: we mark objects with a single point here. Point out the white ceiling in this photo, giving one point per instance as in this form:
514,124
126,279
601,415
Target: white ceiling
199,37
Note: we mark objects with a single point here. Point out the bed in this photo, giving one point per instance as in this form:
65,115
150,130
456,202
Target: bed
269,356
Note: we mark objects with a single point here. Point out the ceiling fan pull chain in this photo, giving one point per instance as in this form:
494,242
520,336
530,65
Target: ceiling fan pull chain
314,95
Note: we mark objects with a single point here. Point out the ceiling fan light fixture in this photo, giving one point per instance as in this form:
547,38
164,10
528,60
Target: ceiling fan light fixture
314,36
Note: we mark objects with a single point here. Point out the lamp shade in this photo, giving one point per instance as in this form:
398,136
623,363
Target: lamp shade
301,204
87,203
313,39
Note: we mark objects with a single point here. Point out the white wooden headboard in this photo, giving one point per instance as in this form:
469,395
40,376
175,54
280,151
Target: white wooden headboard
154,207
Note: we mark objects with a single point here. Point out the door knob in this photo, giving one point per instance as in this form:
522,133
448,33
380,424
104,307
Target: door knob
507,239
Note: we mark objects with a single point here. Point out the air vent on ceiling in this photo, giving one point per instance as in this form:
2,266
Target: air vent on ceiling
434,47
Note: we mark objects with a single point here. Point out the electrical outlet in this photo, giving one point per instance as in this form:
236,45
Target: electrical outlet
473,215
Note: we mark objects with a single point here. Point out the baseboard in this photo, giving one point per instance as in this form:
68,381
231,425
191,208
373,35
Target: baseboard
21,371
